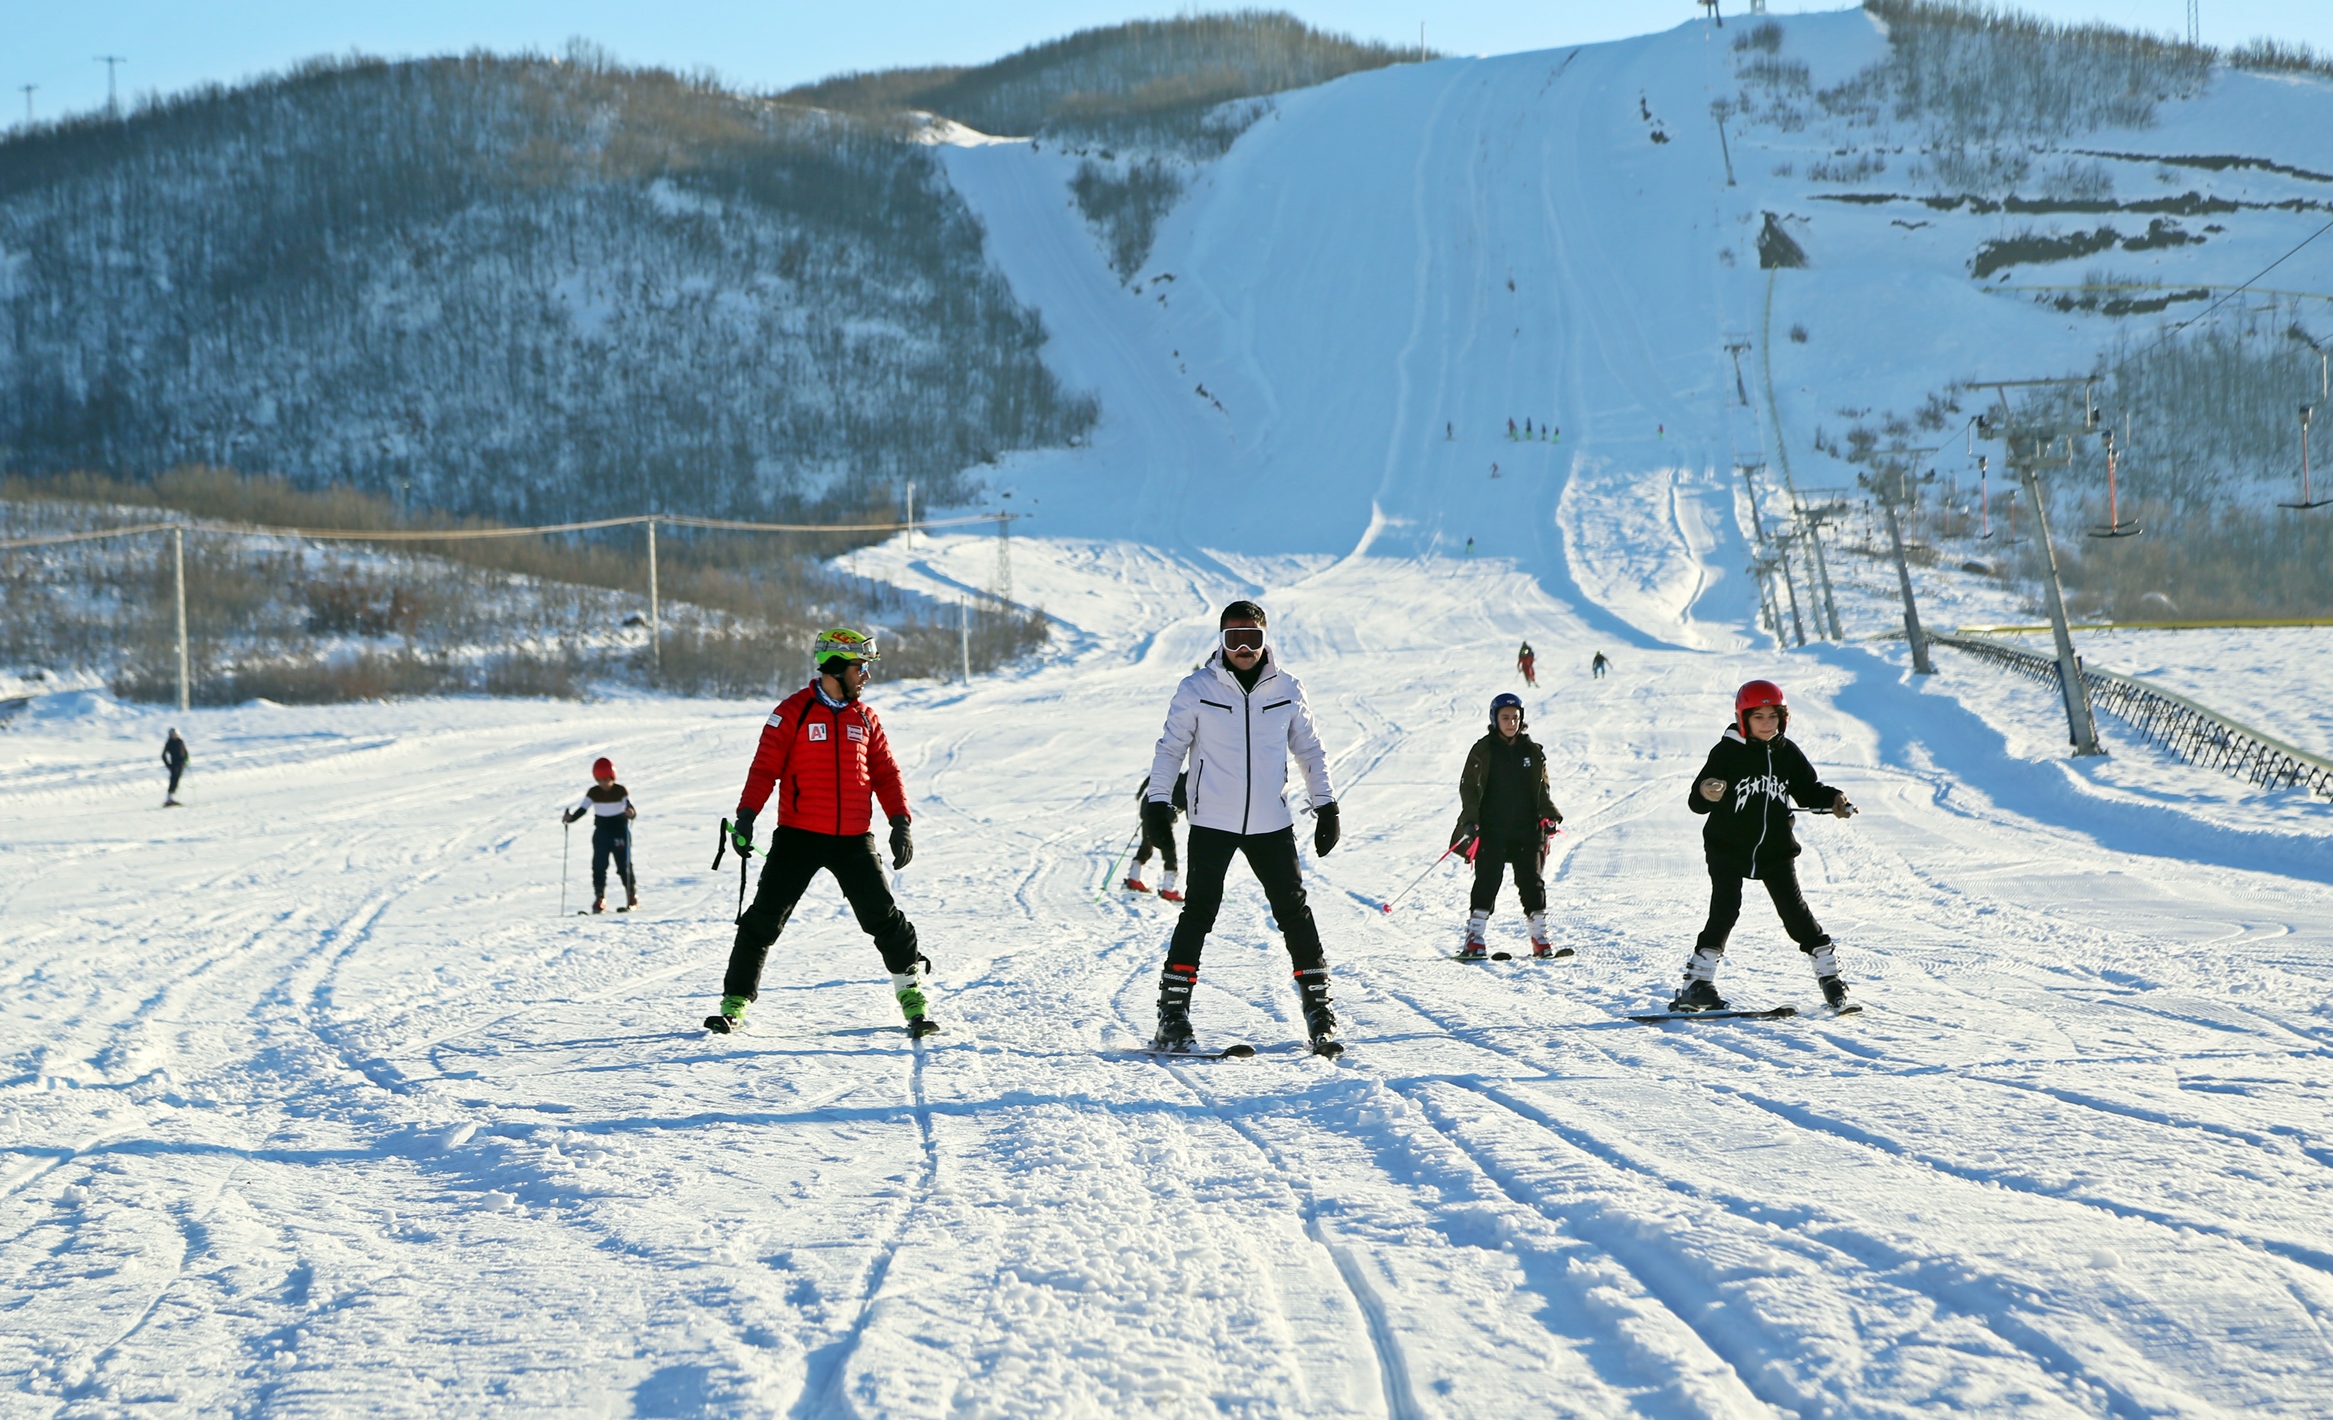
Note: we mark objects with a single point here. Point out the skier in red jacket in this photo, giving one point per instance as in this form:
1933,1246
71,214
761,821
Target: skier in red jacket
826,753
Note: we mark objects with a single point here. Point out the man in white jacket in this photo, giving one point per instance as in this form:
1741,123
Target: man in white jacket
1237,719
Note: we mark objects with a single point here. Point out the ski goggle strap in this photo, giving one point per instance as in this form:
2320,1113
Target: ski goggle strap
1241,638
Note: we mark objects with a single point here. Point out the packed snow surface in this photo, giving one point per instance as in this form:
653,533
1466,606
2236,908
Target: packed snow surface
315,1103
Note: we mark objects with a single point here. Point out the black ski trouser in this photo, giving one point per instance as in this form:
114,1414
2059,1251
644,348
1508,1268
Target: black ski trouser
1725,907
611,842
795,857
1272,857
1165,847
175,771
1491,862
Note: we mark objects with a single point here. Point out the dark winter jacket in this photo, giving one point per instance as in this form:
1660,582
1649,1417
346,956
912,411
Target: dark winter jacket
174,753
1503,790
1178,798
1749,829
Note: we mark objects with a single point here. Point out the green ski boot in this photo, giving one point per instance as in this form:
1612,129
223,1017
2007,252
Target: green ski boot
732,1017
909,990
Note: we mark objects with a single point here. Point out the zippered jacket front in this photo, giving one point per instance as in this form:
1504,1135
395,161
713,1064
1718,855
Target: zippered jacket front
1238,743
831,759
1749,829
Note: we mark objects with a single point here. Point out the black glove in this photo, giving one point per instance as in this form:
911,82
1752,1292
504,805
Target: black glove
902,844
741,832
1463,839
570,815
1324,830
1158,820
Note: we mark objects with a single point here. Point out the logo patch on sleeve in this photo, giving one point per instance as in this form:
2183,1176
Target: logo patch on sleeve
818,732
856,732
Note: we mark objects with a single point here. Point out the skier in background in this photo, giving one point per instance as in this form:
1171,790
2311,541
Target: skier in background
1237,719
1744,793
1165,845
1598,666
1526,662
832,756
611,810
174,759
1505,817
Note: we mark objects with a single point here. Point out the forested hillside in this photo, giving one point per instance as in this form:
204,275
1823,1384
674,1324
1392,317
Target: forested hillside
519,287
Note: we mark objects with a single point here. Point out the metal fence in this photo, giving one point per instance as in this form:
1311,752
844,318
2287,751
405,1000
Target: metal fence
2195,734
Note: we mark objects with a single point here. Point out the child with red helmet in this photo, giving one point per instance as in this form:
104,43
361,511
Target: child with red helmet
1744,794
610,807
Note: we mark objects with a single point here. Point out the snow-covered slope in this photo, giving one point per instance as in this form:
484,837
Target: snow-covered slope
313,1105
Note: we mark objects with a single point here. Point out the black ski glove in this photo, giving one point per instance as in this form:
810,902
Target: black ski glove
571,816
1324,830
1158,820
741,832
902,843
1464,838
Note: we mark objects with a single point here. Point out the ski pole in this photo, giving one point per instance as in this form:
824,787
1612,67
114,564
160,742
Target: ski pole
744,857
566,841
1105,887
1405,892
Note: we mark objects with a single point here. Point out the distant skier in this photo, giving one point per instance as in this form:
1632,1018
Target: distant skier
1510,428
1527,663
1236,720
611,810
1744,792
1165,845
1505,817
1598,666
830,751
174,758
1449,430
1470,541
1527,434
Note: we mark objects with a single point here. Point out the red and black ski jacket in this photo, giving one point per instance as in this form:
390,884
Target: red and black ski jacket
1749,829
831,759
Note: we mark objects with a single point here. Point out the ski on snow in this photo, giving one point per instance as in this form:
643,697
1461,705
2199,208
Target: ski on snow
1559,954
1773,1013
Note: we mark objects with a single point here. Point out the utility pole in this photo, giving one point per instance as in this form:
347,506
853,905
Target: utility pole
655,611
28,91
964,634
178,577
2029,444
113,108
1004,560
1782,543
911,517
1912,633
1735,345
2195,22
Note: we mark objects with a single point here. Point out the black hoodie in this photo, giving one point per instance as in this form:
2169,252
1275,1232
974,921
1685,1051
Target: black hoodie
1748,830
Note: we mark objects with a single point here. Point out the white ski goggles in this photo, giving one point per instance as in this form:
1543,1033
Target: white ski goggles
1241,638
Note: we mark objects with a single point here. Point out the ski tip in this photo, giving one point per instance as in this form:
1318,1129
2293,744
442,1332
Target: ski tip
1238,1052
720,1025
1502,956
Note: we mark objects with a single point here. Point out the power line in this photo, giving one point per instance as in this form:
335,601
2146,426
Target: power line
2238,291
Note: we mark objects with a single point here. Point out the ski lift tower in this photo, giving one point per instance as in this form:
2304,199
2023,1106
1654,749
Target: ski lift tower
2033,441
1889,480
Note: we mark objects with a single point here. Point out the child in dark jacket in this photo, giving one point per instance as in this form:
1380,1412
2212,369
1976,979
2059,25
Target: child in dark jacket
1744,793
1505,814
611,810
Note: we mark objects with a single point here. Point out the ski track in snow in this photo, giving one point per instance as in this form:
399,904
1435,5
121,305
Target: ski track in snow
311,1104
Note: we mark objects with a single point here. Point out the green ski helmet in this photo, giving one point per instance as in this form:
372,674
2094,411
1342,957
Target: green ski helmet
842,643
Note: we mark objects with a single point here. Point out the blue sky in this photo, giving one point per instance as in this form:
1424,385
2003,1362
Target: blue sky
170,44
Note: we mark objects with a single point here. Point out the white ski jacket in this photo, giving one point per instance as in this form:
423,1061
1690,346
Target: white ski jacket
1238,743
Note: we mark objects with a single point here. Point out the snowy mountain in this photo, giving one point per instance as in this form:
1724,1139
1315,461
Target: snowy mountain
321,1100
522,288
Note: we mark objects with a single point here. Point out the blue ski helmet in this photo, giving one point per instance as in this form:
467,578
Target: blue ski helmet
1504,699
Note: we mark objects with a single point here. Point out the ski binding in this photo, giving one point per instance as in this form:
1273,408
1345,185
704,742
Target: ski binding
1774,1013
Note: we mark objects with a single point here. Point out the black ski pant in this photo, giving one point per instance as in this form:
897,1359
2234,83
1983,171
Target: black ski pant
1725,906
796,855
1491,862
175,771
611,837
1272,857
1165,847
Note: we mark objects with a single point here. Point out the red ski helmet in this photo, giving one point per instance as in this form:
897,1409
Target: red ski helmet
603,768
1754,694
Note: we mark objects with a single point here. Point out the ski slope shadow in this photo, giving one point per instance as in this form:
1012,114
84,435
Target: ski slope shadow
1961,742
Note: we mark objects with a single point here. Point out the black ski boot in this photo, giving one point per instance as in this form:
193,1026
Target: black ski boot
1320,1020
1174,1010
1834,991
1700,990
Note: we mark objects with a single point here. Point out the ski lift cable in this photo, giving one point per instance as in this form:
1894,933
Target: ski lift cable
2240,290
